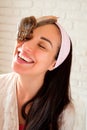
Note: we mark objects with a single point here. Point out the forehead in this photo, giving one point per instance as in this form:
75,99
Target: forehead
49,31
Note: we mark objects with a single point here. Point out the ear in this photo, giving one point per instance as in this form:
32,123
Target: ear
52,65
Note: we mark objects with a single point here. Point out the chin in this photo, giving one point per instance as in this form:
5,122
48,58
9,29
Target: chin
20,70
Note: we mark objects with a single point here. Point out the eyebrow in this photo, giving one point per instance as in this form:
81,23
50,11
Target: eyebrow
44,38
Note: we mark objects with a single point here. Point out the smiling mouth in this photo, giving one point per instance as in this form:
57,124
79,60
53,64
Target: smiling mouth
24,59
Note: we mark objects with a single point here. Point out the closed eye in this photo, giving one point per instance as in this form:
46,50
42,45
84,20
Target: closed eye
41,46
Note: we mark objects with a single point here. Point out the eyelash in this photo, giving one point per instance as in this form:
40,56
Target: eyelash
41,46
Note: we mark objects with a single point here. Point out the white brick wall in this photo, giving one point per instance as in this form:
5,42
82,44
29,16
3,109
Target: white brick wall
72,15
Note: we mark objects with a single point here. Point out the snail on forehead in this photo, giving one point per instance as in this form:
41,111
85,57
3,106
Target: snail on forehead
25,28
28,24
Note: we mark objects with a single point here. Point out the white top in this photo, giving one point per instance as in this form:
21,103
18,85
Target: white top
73,120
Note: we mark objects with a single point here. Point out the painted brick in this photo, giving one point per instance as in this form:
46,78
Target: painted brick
69,5
8,27
8,20
22,3
6,11
5,35
31,11
5,3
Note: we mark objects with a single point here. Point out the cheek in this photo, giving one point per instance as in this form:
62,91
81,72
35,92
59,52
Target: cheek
42,56
45,59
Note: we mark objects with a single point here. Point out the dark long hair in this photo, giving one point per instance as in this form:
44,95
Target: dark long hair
50,101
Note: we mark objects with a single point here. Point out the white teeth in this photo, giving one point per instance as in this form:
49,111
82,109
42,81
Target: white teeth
25,58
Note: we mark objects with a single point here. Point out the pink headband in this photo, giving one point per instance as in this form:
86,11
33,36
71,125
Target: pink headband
65,47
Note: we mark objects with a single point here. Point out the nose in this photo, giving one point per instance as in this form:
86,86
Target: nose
28,46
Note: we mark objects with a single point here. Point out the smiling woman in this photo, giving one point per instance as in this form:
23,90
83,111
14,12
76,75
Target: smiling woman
39,86
35,52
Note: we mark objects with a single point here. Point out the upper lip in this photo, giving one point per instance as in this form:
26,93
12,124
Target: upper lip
23,54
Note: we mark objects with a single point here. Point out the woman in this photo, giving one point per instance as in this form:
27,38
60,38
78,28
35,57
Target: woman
36,96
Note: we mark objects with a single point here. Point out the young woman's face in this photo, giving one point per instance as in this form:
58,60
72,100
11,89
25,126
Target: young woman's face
37,55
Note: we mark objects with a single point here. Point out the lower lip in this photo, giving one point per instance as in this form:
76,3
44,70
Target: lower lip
21,61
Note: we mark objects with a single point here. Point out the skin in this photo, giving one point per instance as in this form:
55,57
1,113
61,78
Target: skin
39,52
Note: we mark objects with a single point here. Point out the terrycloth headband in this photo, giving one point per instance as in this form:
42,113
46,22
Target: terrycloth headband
65,47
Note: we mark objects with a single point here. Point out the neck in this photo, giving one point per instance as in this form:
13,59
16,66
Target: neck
27,87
